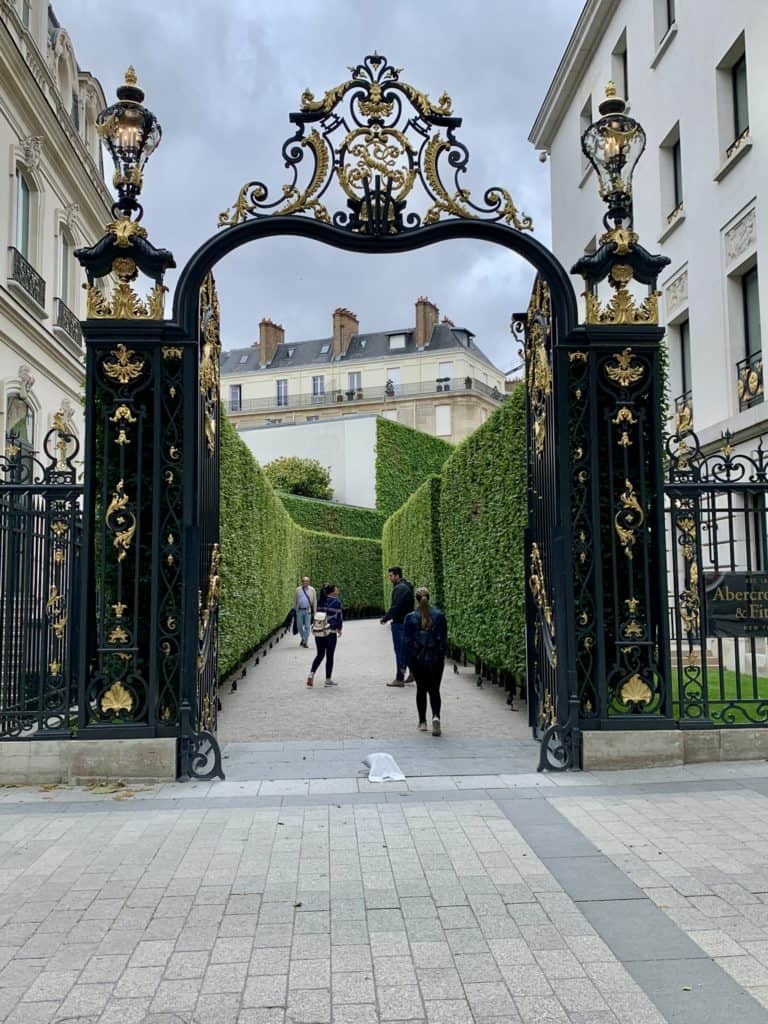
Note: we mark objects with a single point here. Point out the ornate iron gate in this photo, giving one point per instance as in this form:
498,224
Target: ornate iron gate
552,713
40,536
718,568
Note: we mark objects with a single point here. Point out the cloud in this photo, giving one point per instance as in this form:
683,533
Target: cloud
222,78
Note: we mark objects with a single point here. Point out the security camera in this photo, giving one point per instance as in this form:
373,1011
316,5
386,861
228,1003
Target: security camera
543,156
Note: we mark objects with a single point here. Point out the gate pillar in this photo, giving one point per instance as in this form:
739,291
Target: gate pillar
148,617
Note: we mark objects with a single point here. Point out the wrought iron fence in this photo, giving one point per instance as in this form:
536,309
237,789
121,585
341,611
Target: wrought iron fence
341,395
40,539
24,274
718,569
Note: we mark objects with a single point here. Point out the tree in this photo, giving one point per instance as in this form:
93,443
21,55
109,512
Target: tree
300,476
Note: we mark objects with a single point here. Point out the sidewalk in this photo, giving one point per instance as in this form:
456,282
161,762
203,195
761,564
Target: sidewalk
587,898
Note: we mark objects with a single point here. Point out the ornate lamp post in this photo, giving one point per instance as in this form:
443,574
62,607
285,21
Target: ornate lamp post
131,133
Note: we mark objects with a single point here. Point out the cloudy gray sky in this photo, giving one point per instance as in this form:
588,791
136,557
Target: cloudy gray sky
223,76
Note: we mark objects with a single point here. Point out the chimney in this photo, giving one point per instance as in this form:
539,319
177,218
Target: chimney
270,336
345,324
427,315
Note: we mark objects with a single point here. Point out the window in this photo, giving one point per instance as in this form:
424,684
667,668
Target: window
739,90
393,379
443,420
23,201
684,333
244,359
396,341
362,342
235,397
677,174
585,120
751,306
325,349
282,392
318,385
26,13
20,419
444,375
312,419
671,169
66,257
290,352
619,66
354,381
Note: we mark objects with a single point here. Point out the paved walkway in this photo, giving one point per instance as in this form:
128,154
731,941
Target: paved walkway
275,727
590,898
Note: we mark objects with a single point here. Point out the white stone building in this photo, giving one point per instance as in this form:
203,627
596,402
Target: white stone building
695,75
52,200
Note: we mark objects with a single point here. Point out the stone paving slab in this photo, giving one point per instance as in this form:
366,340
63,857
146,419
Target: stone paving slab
273,704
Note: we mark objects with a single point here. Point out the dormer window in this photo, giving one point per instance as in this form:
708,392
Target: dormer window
244,359
324,350
362,342
396,341
290,352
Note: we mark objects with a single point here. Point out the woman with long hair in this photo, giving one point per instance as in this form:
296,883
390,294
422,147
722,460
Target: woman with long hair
426,640
326,629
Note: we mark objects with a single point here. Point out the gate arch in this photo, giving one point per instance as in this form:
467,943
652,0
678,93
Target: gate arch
375,137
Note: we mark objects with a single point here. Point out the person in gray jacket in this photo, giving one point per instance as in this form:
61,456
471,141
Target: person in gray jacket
305,606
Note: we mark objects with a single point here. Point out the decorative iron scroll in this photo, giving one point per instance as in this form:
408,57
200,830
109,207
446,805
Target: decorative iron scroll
210,354
376,137
538,361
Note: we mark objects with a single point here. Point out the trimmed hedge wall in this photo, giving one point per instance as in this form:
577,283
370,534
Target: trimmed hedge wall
411,539
463,533
483,515
349,520
404,460
264,553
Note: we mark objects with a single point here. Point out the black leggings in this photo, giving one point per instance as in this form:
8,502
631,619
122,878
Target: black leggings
428,683
326,648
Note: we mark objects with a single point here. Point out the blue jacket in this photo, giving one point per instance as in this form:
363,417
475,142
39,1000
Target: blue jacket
414,636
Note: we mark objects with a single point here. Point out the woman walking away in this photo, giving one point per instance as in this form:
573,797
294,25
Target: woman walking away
326,628
426,638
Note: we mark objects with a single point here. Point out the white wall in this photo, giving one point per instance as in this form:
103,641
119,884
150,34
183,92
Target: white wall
347,446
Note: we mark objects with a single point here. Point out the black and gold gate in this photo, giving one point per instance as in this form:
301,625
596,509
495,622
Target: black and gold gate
152,559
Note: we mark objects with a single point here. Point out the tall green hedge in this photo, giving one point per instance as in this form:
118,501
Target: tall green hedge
349,520
404,460
483,513
411,539
264,553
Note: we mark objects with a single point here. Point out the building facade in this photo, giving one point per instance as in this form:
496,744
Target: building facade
52,200
432,376
694,75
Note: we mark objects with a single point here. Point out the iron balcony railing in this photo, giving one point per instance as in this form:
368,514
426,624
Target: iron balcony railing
23,273
684,413
341,396
749,380
67,321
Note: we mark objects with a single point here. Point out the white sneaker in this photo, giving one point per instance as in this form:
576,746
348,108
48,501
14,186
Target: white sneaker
330,682
435,726
422,726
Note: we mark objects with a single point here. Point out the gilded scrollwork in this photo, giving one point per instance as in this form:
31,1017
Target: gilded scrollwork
391,140
629,519
537,585
124,368
626,371
120,520
207,616
538,366
210,354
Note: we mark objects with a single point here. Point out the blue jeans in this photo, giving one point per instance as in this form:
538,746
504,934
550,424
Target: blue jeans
398,642
303,621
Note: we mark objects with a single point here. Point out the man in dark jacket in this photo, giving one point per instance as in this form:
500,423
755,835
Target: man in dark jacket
402,605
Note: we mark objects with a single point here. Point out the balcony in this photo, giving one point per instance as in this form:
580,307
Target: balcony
25,281
683,413
749,381
66,327
341,397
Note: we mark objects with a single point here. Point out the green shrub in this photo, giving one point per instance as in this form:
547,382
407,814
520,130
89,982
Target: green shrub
264,553
483,512
411,539
404,460
349,520
300,476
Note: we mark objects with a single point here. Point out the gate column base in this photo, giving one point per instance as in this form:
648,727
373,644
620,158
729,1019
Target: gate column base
75,762
635,748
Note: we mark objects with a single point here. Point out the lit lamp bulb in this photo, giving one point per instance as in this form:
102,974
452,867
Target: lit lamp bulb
613,145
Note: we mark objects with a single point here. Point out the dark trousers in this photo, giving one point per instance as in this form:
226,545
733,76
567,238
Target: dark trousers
398,642
326,648
428,685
